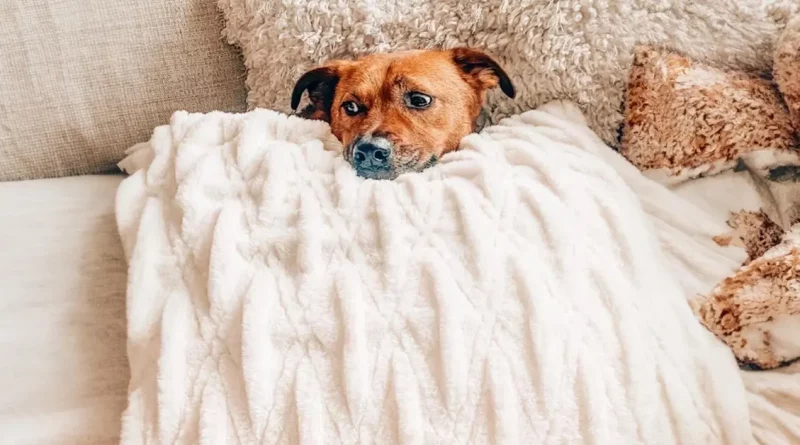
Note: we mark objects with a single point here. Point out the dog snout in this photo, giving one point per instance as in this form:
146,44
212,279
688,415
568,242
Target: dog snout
372,157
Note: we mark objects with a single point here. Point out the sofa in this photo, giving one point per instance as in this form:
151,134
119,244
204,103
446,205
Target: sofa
79,83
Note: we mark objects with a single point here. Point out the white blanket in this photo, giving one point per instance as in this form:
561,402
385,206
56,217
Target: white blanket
530,289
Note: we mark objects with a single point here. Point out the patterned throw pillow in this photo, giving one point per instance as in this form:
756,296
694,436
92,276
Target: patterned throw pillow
756,311
685,119
787,67
570,49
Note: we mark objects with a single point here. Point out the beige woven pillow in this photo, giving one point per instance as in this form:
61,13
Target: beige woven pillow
570,49
81,80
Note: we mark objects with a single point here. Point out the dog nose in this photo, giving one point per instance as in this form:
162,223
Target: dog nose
368,156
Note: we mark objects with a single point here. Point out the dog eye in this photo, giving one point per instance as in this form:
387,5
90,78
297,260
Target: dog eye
418,101
352,108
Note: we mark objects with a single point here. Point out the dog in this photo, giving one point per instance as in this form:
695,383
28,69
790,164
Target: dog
400,112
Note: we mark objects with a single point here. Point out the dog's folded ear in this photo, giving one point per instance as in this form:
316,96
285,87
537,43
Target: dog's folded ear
321,86
481,71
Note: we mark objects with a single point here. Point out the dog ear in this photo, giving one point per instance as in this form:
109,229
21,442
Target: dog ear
481,71
321,86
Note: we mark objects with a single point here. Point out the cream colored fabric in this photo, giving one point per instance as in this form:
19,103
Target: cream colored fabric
82,80
529,289
63,370
567,49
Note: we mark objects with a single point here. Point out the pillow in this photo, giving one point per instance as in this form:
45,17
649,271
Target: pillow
80,81
755,231
787,67
553,50
756,311
685,119
516,292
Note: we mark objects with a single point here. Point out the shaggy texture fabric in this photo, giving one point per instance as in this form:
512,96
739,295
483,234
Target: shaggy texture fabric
757,310
786,72
570,49
685,119
516,293
787,67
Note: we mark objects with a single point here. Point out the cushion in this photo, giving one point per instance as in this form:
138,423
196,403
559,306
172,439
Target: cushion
787,67
64,372
753,230
685,119
80,81
553,50
756,311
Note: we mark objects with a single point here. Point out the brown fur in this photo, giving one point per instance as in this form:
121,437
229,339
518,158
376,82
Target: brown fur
691,119
456,79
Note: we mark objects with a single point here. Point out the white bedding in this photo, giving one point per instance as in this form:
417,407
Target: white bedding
63,371
516,293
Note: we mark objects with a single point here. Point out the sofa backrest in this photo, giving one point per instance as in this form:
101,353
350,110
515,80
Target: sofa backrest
81,80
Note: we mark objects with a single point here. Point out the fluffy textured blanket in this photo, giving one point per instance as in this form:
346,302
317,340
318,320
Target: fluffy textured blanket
516,293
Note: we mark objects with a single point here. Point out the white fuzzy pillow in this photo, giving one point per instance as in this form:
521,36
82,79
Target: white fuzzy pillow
576,49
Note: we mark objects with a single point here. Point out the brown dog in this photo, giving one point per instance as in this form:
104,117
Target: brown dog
400,112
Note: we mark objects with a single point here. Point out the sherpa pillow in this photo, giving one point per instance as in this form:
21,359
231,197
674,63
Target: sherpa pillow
574,49
685,119
757,310
787,67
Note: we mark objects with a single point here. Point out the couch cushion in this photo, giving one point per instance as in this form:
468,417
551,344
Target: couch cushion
64,373
81,80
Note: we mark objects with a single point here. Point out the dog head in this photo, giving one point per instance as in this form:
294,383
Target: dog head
400,112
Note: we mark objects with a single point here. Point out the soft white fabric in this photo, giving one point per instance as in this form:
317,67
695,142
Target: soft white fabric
63,371
774,398
515,293
576,49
